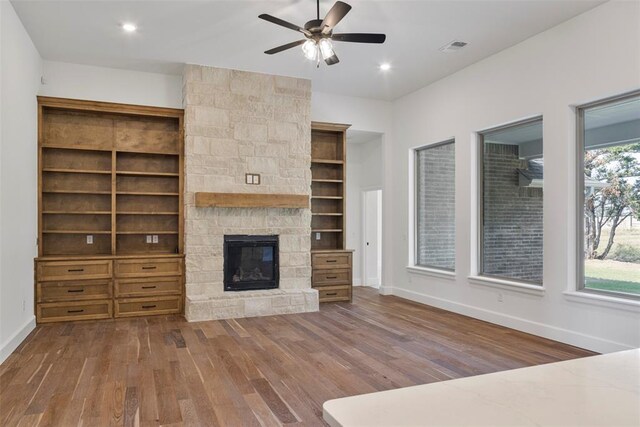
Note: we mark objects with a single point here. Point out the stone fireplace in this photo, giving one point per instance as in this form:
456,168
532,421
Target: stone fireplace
251,263
239,123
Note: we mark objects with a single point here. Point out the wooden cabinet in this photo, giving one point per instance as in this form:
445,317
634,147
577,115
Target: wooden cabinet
331,262
110,209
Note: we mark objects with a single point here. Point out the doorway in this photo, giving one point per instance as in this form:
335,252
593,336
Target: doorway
372,237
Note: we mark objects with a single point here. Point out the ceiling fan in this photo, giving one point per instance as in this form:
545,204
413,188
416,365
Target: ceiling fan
319,34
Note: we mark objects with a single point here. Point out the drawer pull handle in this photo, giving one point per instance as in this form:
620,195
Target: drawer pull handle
331,294
75,311
332,260
151,267
149,306
75,270
332,277
149,287
75,290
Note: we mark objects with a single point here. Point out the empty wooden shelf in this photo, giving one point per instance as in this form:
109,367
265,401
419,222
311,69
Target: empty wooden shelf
110,187
331,261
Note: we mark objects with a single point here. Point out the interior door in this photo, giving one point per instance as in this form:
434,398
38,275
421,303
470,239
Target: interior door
372,237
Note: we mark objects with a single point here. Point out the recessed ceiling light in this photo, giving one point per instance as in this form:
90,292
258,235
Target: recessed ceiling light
129,27
385,66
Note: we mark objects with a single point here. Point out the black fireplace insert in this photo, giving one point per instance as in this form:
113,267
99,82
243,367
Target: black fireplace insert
250,262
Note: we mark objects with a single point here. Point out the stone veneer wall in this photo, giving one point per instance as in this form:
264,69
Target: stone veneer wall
239,122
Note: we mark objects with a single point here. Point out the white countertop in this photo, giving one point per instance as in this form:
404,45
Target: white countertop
593,391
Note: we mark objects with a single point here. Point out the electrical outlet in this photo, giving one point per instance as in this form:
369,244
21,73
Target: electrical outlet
149,238
317,236
252,178
500,298
89,239
155,238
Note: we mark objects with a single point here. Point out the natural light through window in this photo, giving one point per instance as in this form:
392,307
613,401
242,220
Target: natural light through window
610,136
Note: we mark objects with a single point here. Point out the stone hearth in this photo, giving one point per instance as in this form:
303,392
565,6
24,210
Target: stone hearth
239,122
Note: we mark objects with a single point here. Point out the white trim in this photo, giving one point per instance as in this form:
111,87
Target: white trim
16,339
411,226
603,300
433,272
567,336
507,285
385,290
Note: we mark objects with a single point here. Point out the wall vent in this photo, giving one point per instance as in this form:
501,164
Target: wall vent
453,46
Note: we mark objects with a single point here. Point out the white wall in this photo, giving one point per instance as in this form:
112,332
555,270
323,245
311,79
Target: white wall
592,56
364,115
364,171
20,81
111,85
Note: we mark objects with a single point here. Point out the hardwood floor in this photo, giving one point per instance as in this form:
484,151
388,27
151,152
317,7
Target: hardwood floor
248,372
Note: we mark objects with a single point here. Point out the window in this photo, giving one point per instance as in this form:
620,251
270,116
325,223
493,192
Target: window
511,179
609,205
435,206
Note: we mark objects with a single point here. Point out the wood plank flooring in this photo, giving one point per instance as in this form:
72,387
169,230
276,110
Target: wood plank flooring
267,371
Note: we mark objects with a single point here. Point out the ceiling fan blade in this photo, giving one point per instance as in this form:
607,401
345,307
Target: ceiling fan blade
332,60
283,23
359,38
335,15
284,47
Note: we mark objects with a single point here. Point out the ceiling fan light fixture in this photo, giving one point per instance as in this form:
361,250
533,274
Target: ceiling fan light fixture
326,48
310,49
319,34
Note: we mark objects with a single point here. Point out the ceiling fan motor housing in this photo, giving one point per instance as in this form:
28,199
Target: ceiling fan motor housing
314,26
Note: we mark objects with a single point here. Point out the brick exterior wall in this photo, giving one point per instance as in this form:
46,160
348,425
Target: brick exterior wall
436,229
239,122
512,222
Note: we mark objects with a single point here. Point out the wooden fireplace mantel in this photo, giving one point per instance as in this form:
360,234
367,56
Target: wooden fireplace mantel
247,200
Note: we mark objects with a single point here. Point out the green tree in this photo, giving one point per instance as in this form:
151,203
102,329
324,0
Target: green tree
615,198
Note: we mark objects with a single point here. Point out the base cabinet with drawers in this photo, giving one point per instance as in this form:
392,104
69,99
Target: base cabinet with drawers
89,289
331,275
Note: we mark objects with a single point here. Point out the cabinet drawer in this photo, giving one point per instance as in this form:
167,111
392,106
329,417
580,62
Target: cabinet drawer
334,293
71,270
147,287
73,290
148,267
85,310
331,277
331,260
147,306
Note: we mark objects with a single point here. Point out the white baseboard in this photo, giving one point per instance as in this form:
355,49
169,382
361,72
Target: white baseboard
386,290
555,333
16,339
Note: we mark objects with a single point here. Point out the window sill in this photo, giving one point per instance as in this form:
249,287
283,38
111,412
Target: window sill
603,300
507,285
432,272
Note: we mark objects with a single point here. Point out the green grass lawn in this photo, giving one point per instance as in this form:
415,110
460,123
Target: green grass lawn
612,275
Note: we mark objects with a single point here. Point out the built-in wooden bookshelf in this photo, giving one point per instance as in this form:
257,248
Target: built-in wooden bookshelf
110,186
331,261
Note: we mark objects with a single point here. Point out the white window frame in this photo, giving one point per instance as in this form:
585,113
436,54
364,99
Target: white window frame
580,289
412,265
478,277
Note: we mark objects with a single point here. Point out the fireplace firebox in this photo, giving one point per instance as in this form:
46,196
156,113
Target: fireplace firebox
250,262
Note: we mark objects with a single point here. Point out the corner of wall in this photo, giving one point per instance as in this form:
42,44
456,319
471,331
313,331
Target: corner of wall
16,339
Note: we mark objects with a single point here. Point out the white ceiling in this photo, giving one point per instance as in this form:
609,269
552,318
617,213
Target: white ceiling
229,34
